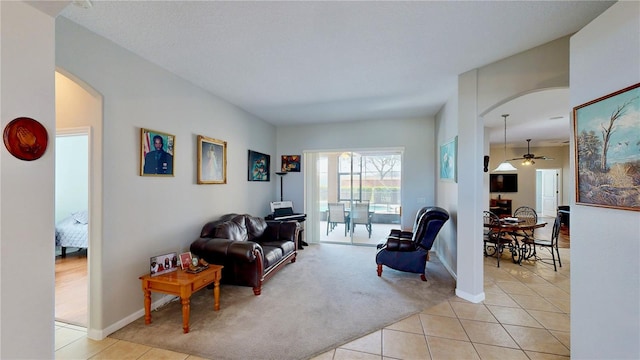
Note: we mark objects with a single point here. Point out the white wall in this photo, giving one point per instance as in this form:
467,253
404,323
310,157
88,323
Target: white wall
72,159
446,191
605,271
416,136
27,187
146,216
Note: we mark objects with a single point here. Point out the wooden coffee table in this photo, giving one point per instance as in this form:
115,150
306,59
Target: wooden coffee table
183,284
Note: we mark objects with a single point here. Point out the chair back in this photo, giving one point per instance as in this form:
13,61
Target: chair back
527,214
336,212
360,213
490,219
418,217
555,233
429,224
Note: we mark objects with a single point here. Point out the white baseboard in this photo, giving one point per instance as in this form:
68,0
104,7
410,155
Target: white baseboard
469,297
447,266
97,334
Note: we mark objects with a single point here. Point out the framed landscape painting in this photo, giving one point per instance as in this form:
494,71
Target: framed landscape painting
259,166
607,150
448,155
212,161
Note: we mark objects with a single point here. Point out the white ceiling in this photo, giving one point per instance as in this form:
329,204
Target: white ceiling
299,62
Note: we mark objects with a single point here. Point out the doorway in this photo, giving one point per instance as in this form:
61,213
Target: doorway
72,229
547,191
79,106
353,196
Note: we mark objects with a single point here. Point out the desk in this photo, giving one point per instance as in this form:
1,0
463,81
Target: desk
524,248
183,284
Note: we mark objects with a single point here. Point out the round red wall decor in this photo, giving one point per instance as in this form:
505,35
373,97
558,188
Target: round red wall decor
25,138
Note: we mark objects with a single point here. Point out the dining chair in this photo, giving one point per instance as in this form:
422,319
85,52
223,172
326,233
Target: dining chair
550,244
360,215
528,216
337,215
495,240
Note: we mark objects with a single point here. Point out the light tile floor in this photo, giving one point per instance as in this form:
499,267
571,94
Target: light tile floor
525,316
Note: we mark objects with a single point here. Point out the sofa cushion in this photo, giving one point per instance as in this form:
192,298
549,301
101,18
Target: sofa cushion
255,227
271,255
232,230
209,229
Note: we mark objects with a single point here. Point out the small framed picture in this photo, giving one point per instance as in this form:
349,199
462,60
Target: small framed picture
163,264
448,157
212,161
156,153
290,163
185,260
259,166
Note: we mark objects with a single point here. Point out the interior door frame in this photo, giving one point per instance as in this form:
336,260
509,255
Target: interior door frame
540,181
84,131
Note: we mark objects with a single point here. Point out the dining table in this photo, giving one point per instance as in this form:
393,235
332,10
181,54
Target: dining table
521,231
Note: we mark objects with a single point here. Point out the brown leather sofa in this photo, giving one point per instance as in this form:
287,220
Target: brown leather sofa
250,248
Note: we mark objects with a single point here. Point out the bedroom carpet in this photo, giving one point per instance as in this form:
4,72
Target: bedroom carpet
331,295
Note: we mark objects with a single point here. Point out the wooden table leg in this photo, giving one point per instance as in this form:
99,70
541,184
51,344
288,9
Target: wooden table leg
216,295
186,308
147,306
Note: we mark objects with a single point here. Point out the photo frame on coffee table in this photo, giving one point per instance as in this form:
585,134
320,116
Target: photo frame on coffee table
185,260
162,264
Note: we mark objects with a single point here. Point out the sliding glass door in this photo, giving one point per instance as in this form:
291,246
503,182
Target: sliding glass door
352,197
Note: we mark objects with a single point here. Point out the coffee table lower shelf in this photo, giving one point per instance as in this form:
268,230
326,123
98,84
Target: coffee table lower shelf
182,284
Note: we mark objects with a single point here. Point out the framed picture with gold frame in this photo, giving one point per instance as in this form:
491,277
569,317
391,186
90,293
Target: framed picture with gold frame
212,161
156,153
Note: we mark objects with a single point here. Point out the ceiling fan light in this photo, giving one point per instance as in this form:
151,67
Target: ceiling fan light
505,166
528,162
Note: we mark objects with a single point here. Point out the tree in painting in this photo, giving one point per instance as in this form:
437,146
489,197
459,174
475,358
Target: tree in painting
608,129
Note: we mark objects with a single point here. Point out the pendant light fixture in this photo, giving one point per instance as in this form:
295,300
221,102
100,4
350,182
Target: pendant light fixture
505,165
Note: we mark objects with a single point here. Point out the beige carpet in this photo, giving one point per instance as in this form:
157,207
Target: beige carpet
331,295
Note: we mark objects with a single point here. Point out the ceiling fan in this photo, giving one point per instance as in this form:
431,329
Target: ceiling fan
528,157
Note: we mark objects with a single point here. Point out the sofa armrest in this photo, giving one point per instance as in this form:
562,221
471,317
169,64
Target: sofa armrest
217,250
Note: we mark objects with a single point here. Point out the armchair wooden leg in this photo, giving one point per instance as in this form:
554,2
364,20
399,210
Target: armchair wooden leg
379,270
423,277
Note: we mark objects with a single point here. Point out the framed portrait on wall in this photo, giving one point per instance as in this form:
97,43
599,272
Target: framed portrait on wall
259,166
156,153
607,150
212,161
